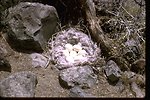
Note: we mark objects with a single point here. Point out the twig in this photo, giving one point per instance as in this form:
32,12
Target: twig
4,38
108,21
63,3
59,24
49,59
129,33
140,37
127,12
87,31
112,13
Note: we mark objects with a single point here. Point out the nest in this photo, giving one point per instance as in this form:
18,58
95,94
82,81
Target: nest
75,38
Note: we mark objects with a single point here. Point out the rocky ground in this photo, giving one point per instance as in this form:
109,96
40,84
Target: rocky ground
30,74
48,82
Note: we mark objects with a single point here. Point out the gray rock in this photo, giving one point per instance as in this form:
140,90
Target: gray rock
4,4
132,51
4,65
119,86
30,25
82,76
137,90
112,71
78,92
38,60
21,84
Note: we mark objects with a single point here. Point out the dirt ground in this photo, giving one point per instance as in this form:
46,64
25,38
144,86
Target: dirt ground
48,82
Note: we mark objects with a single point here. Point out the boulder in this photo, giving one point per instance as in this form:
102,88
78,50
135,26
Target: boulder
5,4
82,76
112,72
21,84
30,25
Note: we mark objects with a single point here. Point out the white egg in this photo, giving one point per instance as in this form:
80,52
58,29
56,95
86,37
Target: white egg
66,52
77,47
73,54
69,47
78,58
70,59
82,52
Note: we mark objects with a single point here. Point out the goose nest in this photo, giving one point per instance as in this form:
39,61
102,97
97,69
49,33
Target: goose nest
72,47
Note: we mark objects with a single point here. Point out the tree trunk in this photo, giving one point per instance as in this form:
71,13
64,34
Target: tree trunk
88,9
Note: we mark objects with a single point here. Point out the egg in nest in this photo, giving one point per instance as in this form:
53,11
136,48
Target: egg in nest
77,47
69,47
74,53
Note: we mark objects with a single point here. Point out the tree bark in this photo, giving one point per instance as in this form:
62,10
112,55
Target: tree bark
88,9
